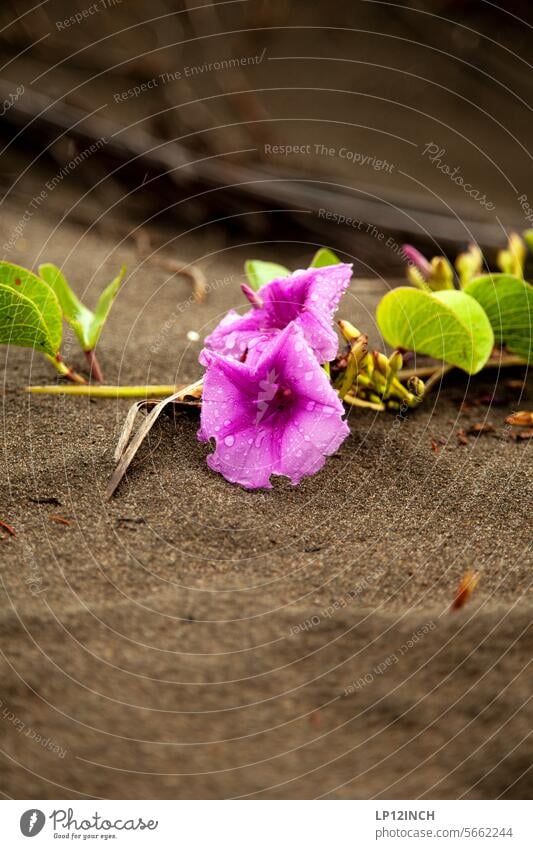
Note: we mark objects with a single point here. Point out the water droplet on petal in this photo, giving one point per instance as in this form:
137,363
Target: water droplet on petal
229,440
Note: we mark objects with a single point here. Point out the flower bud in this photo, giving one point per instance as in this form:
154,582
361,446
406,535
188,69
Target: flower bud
416,386
349,332
395,362
469,264
381,363
441,274
512,259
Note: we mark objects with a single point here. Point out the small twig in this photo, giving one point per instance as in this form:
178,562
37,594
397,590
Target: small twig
196,275
11,531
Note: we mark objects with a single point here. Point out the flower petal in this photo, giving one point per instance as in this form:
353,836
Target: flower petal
308,297
276,415
236,334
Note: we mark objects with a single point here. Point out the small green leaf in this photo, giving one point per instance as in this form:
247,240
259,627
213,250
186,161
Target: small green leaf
86,325
46,312
447,325
78,316
259,273
103,307
324,257
22,323
508,302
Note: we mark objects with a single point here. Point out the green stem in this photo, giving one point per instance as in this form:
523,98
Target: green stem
64,370
157,391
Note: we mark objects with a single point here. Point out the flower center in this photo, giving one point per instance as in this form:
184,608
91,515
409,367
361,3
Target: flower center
272,397
283,397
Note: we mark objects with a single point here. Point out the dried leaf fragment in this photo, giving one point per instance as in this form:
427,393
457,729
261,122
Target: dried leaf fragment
480,427
462,437
468,583
524,434
522,419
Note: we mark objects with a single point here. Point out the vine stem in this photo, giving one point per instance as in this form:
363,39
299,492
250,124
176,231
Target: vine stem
503,361
436,377
66,371
94,365
157,391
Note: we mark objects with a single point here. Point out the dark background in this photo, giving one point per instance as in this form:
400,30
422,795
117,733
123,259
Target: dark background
381,79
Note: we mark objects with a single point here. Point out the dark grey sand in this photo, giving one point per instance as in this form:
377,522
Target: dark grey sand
192,639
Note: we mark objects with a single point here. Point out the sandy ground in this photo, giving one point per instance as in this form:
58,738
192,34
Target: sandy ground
191,639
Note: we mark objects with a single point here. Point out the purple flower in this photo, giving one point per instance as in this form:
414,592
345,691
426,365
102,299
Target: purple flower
277,414
308,298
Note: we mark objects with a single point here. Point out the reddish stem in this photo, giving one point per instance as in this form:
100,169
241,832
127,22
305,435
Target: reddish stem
96,371
67,371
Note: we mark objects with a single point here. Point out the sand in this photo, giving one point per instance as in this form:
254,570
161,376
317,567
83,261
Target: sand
192,639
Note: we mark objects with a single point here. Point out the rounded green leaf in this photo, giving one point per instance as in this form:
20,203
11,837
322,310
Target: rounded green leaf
447,325
22,323
324,257
508,303
32,288
259,273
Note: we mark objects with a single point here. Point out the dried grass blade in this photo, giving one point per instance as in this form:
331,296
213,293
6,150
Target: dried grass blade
141,434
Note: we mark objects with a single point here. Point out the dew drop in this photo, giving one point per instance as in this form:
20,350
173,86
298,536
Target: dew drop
229,440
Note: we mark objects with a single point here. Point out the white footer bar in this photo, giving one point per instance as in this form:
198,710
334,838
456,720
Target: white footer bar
267,824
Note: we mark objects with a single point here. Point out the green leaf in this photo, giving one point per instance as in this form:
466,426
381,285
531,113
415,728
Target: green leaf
508,302
259,273
86,325
447,325
324,257
78,316
34,304
103,307
22,323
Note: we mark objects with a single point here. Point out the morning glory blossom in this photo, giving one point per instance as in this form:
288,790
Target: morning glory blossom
308,298
274,414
